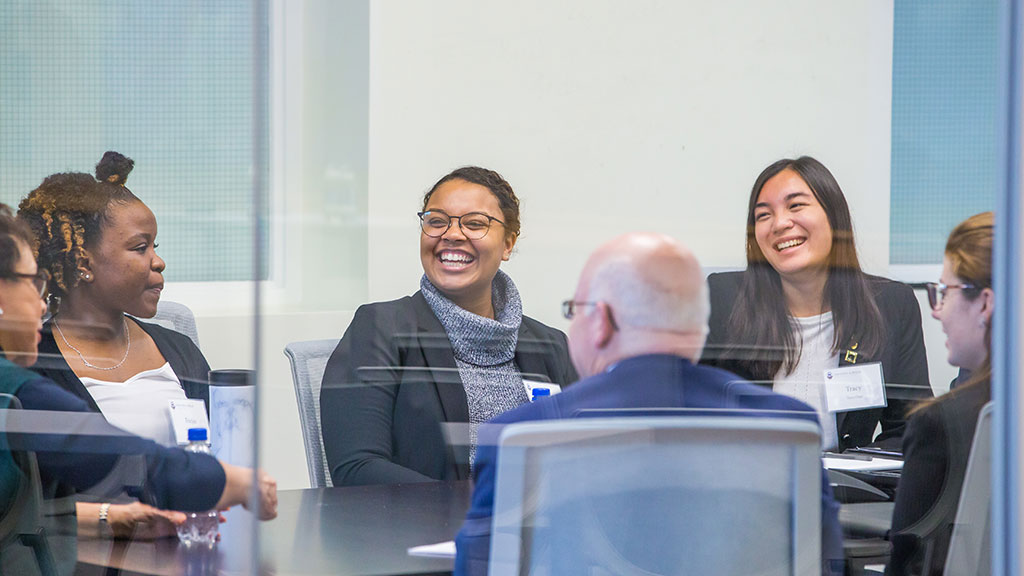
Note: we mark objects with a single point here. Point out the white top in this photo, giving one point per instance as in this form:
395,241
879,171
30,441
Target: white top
807,382
140,404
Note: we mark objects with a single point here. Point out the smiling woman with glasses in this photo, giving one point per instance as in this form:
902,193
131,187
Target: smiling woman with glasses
459,351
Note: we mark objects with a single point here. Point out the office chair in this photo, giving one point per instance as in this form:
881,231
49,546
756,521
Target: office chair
308,360
176,316
931,537
666,495
970,546
24,546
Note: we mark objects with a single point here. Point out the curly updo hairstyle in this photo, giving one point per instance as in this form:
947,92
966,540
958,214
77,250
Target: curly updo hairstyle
68,212
494,182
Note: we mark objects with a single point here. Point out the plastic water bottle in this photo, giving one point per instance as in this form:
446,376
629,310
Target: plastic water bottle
200,528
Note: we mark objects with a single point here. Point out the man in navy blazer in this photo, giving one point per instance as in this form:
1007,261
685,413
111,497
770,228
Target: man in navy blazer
639,320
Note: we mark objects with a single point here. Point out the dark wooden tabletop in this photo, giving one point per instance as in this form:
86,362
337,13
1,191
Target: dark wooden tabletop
363,530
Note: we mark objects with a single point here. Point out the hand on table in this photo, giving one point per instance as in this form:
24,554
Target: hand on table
140,521
237,488
268,497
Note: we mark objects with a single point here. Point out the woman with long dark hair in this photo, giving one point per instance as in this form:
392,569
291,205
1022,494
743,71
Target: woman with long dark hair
803,306
940,431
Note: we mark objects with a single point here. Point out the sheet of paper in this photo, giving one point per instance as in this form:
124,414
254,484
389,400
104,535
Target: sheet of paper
854,387
859,465
439,550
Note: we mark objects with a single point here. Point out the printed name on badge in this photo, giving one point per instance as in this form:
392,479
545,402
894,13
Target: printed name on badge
855,387
187,414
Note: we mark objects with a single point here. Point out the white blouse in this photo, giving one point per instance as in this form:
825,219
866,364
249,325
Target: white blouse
807,382
140,404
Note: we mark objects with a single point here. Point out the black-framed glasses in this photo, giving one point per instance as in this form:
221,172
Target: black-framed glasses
569,308
937,292
39,280
474,225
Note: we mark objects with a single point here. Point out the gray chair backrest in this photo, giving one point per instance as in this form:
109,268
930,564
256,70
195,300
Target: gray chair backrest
970,546
176,316
308,360
674,495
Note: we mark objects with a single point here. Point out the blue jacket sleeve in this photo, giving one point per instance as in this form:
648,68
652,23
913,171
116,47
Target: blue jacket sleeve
168,478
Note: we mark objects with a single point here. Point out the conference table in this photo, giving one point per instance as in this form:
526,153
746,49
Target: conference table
364,530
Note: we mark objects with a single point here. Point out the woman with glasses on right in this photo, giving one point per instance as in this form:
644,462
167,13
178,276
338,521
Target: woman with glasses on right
459,351
939,433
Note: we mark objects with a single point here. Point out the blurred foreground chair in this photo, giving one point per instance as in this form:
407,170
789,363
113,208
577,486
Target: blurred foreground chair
308,360
176,316
674,495
24,546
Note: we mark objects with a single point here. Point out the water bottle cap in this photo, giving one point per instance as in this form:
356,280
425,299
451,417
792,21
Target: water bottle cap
197,434
541,392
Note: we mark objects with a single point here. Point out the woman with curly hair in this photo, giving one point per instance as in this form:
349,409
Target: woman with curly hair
97,240
451,356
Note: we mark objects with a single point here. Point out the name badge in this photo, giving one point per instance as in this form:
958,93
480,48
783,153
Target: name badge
854,387
531,385
187,414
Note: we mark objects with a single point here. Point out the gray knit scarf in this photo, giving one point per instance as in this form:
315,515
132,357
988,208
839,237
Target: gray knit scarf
484,351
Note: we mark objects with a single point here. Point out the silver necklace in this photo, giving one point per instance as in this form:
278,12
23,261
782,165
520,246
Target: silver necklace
127,348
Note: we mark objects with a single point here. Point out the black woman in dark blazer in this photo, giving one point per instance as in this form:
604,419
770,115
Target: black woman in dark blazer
458,351
803,305
97,240
940,432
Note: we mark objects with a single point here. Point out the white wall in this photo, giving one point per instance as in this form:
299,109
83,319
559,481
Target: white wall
606,116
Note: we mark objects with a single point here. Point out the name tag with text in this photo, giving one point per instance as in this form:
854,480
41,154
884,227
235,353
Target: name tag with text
854,387
187,414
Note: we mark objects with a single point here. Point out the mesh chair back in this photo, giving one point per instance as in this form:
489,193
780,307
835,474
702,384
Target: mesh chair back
676,495
970,546
178,317
308,360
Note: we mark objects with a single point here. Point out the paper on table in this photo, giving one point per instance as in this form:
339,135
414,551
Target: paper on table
439,550
862,465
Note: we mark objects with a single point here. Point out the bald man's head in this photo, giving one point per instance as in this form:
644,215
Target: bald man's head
652,288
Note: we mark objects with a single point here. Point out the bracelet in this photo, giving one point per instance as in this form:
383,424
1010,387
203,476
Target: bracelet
104,511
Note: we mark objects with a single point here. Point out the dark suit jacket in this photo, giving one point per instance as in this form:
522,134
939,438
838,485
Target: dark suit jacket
903,358
392,381
655,381
936,448
186,360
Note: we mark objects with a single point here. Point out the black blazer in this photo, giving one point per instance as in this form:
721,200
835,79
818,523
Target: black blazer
185,359
904,363
936,448
392,381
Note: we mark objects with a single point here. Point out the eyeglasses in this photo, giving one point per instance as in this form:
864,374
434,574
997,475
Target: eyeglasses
937,292
474,225
39,280
569,310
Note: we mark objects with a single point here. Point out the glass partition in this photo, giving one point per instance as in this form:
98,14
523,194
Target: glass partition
506,287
